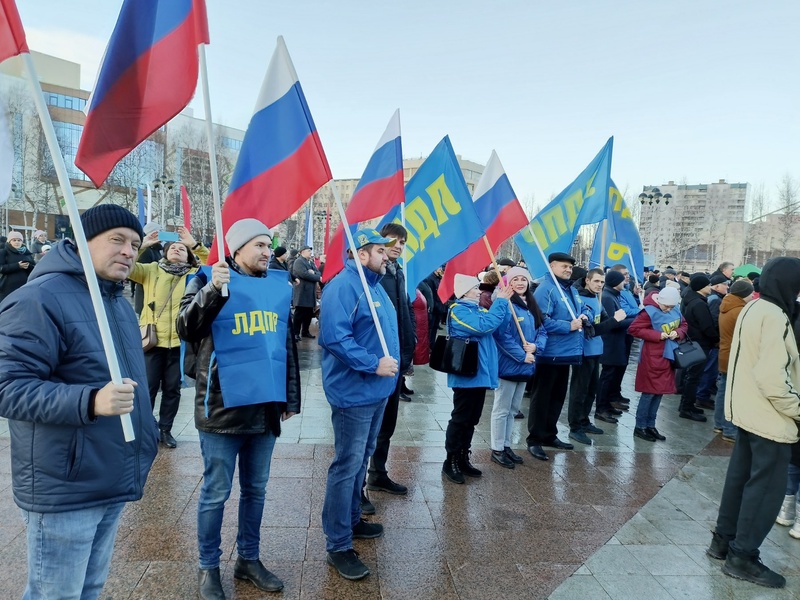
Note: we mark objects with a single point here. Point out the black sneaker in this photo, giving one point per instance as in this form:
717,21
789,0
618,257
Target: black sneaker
516,458
519,415
364,530
384,484
348,565
501,458
752,570
367,507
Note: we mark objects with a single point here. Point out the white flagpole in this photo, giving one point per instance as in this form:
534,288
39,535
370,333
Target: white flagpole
80,236
405,254
212,157
359,267
553,275
150,205
635,272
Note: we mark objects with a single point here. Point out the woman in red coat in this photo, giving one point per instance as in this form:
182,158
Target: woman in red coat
422,351
660,326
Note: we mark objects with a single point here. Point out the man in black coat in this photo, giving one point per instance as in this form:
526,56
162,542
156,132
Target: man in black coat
278,260
394,282
615,350
437,311
307,276
702,330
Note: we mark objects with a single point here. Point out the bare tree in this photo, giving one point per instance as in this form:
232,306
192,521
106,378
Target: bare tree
790,209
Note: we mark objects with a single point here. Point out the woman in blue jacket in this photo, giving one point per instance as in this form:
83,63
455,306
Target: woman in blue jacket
466,319
516,363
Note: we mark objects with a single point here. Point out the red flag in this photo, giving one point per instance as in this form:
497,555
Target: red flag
187,208
12,35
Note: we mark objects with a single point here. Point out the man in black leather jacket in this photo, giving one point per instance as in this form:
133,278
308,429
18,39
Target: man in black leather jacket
247,432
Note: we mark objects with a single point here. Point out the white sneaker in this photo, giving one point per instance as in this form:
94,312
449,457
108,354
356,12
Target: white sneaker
788,511
795,530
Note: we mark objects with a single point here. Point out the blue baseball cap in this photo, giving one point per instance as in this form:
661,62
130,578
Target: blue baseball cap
364,237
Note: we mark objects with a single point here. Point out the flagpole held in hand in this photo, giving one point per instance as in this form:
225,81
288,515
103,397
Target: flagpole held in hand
212,157
360,268
80,236
553,275
503,285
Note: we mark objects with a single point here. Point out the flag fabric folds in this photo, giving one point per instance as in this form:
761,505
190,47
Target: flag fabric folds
187,208
379,190
281,163
556,226
501,215
148,75
12,35
440,215
623,243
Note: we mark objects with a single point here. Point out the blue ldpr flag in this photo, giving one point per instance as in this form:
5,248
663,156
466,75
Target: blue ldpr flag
140,198
581,203
440,216
623,244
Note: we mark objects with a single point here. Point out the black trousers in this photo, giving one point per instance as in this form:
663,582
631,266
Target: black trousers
753,492
609,386
547,399
302,319
377,464
691,379
467,409
164,371
582,390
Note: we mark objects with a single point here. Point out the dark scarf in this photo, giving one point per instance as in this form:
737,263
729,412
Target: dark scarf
177,269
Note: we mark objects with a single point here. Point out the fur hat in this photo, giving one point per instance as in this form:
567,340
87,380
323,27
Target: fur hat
464,283
103,217
242,232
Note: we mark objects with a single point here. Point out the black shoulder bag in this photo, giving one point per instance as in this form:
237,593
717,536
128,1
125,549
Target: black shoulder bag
456,356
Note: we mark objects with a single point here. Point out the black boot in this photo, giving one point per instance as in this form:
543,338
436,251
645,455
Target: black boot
718,548
467,467
452,469
209,584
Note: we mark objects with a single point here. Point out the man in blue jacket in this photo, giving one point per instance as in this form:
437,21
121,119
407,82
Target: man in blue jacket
72,470
358,378
563,313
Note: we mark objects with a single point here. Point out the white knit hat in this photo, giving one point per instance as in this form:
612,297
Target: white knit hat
464,283
243,231
669,296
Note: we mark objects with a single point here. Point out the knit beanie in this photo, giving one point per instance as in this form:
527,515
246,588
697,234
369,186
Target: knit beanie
242,232
464,283
699,281
280,251
614,278
516,272
741,288
578,274
103,217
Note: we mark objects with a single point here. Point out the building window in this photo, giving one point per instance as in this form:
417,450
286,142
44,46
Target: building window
63,101
232,144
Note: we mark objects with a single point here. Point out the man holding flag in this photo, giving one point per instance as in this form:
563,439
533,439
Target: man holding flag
72,470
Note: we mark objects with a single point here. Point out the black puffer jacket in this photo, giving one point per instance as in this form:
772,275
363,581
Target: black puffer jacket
615,352
394,282
200,305
12,276
51,361
697,313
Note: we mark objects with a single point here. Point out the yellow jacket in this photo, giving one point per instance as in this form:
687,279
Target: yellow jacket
762,394
156,284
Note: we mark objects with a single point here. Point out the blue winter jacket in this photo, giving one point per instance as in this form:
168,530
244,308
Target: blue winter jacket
564,347
51,362
351,349
511,356
592,346
630,303
468,320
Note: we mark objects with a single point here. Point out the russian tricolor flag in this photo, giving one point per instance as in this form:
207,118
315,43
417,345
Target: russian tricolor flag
282,162
500,214
379,190
148,75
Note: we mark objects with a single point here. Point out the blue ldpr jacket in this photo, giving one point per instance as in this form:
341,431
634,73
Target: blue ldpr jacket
564,347
468,320
351,349
592,346
511,356
51,361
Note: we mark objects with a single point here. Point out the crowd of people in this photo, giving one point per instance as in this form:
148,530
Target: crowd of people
566,337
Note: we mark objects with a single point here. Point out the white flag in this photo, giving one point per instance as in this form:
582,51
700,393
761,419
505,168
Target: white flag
6,158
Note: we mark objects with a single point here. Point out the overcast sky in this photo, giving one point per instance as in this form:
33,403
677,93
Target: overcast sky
690,89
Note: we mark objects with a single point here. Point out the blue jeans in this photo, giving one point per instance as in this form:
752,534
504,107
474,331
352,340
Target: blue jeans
705,388
355,431
219,461
647,410
69,553
793,480
720,422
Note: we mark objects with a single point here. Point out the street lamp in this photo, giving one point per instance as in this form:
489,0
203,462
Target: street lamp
163,186
656,196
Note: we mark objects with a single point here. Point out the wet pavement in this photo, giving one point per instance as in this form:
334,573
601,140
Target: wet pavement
623,518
